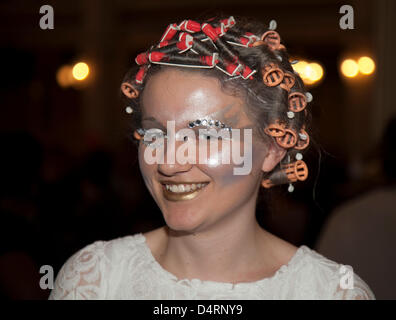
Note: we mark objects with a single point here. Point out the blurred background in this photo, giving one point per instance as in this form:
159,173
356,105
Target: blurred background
69,173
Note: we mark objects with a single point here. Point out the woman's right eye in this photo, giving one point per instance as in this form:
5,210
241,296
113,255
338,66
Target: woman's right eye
153,135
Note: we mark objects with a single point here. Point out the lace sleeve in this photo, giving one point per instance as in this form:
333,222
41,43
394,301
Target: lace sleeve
81,277
360,291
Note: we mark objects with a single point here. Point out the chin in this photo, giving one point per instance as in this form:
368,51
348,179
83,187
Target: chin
183,220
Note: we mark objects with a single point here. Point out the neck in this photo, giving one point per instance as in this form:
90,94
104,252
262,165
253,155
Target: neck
228,251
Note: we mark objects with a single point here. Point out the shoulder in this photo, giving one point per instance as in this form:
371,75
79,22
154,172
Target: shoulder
322,278
85,274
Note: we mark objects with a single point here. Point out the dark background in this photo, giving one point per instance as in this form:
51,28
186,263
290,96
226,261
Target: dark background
69,173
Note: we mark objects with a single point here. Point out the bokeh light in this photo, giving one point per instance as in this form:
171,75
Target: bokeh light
80,71
64,76
349,68
310,72
366,65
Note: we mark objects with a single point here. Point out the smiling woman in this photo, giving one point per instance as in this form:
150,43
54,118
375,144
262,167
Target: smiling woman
222,74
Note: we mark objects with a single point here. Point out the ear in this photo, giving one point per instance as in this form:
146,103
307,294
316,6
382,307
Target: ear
274,155
129,91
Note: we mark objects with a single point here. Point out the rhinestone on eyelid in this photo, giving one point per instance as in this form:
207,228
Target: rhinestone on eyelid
211,122
197,122
191,124
217,123
204,122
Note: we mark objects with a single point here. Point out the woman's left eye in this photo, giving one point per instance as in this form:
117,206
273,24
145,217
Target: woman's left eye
208,136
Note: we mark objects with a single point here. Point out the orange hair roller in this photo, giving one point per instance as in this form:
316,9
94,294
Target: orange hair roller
297,101
288,173
272,39
275,130
272,75
288,81
303,140
288,140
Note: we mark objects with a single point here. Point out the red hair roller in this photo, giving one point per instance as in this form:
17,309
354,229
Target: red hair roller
209,31
140,74
141,58
190,26
156,56
169,32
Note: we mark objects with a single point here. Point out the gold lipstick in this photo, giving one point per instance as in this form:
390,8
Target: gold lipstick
182,196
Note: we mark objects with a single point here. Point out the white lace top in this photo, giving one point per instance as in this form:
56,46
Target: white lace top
125,268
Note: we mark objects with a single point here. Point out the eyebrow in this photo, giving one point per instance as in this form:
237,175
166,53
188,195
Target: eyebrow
228,120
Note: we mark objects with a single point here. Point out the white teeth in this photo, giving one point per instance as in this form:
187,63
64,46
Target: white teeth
180,188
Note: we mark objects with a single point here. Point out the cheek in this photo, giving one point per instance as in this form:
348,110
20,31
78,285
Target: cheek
223,173
146,169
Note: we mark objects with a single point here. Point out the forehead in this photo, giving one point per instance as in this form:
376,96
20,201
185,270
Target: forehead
185,96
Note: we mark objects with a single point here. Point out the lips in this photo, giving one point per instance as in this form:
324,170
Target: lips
182,191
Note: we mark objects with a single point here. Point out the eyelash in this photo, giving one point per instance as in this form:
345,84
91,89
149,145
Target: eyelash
140,132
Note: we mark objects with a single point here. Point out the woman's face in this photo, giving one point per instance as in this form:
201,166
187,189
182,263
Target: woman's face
184,97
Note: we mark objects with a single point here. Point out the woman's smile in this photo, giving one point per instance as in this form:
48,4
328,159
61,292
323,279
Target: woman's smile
182,191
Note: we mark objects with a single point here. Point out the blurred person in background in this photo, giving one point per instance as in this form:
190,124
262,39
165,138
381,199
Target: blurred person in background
360,231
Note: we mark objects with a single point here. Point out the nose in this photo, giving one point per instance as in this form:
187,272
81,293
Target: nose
171,165
168,170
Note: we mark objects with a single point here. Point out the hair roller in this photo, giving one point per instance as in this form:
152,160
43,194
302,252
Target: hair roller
303,140
201,47
287,173
135,92
141,74
137,135
257,43
297,101
288,140
169,33
272,40
190,26
272,75
275,130
288,81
